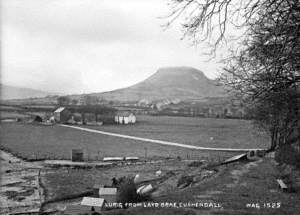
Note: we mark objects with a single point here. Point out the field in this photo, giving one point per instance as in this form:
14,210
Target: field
207,132
233,185
12,115
24,112
55,142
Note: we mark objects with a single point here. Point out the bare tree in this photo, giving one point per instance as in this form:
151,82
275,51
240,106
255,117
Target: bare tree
208,20
90,100
63,100
266,73
265,70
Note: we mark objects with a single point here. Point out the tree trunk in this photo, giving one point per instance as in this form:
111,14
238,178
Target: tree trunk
273,140
83,118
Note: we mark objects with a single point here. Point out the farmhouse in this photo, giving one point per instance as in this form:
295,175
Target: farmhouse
125,117
62,115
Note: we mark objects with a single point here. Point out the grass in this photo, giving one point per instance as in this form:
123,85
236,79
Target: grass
54,142
61,183
256,186
12,115
209,132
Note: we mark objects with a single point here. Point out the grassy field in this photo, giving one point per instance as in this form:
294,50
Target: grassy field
13,115
209,132
55,142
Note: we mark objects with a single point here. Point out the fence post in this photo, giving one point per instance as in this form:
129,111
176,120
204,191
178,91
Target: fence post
146,152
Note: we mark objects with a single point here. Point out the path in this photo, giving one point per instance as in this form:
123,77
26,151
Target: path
161,142
20,190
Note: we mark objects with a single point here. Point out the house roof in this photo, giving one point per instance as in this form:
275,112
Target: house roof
107,191
60,109
94,202
98,186
123,113
113,159
77,150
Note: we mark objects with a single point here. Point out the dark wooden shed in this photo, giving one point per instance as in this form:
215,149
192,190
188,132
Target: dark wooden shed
77,155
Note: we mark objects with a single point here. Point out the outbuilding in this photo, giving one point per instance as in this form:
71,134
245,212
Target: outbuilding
62,115
109,194
95,204
77,155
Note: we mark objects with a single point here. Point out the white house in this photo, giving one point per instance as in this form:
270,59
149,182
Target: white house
125,117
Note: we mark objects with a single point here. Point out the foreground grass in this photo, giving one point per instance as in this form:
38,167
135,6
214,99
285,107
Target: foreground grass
62,183
54,142
235,186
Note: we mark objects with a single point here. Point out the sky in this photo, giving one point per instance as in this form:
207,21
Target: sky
83,46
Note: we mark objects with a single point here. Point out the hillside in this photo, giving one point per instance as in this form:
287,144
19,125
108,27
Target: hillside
183,83
169,83
10,92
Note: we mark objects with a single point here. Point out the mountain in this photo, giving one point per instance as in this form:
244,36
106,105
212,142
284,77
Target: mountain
183,83
10,92
169,83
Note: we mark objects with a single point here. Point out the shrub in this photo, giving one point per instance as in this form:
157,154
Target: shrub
127,191
195,164
289,155
185,181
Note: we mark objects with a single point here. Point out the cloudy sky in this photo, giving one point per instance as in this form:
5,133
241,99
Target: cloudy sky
80,46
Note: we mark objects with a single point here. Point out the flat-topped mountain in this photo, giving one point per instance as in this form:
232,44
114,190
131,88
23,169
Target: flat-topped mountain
183,83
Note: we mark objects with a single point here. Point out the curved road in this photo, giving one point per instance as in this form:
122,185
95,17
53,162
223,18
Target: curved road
162,142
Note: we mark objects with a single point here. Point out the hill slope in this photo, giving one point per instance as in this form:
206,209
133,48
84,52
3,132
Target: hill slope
10,92
184,83
172,83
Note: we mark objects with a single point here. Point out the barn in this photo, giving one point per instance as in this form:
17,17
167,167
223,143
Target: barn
62,115
125,117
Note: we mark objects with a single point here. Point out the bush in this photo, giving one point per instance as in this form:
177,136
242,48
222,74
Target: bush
127,191
287,154
185,181
195,164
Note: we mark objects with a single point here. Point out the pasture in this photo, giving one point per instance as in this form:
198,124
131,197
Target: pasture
33,141
206,132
